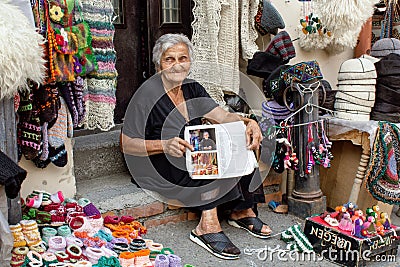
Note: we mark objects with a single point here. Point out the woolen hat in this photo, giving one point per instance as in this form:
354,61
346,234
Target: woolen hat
282,46
357,69
272,109
275,86
342,105
271,20
263,64
302,72
385,46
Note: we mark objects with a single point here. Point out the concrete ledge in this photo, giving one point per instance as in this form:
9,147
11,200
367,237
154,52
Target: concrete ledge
98,155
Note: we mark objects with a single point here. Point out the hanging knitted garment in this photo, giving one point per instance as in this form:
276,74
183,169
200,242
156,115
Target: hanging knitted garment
248,32
344,18
21,51
216,46
101,84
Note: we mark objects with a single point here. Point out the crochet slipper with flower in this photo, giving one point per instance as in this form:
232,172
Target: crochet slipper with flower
217,244
245,223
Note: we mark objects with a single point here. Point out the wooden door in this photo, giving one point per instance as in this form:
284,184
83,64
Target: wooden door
167,16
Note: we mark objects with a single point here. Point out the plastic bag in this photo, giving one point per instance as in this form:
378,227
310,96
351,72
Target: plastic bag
6,242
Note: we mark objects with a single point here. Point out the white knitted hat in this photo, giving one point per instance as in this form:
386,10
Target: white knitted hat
353,116
357,82
357,69
385,46
342,105
360,98
356,88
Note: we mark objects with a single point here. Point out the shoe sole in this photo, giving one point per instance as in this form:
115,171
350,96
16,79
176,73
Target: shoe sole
234,224
199,242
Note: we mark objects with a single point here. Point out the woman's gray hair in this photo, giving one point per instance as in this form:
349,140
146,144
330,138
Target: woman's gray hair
167,41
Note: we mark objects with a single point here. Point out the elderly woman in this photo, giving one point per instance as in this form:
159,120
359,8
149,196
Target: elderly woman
153,144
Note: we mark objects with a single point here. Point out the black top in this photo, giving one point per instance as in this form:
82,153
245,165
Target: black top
151,115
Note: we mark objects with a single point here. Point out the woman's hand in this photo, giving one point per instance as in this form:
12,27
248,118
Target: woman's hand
176,146
253,135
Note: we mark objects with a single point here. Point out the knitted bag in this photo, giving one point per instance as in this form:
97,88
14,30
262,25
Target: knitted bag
84,60
384,166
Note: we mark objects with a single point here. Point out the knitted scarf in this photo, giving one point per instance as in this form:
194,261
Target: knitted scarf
101,84
384,166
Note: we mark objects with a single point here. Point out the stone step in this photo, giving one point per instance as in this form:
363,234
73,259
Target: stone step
117,195
98,155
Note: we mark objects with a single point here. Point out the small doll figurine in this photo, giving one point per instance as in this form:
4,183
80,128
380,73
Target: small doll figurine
380,230
357,227
376,209
345,223
358,214
385,221
369,226
350,206
369,211
338,213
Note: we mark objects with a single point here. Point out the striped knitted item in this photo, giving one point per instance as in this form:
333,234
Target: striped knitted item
281,45
100,98
296,239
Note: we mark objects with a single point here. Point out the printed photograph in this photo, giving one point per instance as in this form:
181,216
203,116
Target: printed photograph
204,163
203,139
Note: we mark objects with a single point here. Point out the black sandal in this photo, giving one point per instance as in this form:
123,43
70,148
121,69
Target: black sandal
217,244
245,224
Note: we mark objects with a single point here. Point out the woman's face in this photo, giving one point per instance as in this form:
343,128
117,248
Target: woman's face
175,64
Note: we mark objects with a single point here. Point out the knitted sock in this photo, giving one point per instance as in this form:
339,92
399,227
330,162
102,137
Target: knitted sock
58,133
29,137
25,106
80,103
67,93
35,201
57,197
46,99
58,156
162,261
296,239
174,260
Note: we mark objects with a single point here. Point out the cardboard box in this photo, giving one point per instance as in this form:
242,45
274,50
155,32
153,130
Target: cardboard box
344,249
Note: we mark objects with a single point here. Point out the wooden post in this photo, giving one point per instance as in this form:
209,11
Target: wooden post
8,144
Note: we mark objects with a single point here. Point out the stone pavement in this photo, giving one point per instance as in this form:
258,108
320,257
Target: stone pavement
176,236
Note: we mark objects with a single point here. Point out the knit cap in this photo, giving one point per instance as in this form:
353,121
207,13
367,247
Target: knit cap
282,46
263,64
302,72
257,20
272,109
271,20
385,46
274,86
357,69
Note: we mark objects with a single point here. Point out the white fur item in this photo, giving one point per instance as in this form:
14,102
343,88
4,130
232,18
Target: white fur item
21,53
345,19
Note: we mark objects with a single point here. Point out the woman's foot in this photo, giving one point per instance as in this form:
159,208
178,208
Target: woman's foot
209,235
246,216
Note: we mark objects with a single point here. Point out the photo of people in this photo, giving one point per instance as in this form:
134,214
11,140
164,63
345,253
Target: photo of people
205,163
203,140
